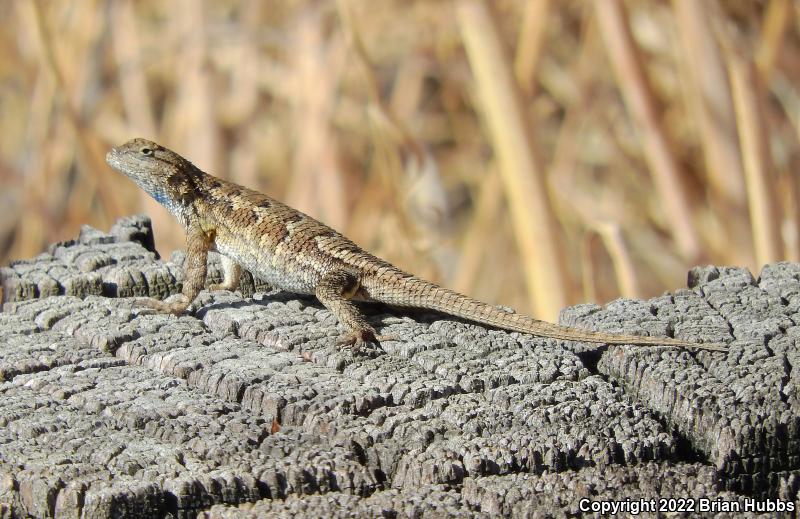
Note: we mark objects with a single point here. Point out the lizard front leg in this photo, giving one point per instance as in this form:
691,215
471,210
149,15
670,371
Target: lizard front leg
198,244
335,290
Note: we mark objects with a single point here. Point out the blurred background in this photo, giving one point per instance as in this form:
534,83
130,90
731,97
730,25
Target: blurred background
534,153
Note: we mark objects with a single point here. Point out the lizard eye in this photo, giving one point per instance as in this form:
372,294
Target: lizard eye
147,152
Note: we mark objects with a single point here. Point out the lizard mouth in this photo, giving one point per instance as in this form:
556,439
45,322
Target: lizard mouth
112,158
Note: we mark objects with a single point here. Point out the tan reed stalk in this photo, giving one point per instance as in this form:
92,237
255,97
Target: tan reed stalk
637,93
535,228
711,101
532,33
759,175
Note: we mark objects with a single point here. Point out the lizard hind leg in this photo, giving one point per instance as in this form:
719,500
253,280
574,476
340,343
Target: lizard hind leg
231,274
334,291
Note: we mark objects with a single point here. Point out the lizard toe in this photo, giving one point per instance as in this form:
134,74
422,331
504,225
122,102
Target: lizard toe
146,306
357,339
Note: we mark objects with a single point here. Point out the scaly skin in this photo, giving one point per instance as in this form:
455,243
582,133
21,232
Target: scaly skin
294,252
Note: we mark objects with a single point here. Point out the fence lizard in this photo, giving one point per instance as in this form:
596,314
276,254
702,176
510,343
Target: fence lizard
295,252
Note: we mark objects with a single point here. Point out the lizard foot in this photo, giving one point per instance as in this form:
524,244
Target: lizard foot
356,339
147,305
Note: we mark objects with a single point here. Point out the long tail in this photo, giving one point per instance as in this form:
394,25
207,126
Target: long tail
412,292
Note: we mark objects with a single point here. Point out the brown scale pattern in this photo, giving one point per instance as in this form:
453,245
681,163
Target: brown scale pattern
295,252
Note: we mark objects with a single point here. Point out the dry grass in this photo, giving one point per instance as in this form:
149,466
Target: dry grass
529,152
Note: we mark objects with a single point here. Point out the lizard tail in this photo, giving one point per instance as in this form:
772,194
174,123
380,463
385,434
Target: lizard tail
412,292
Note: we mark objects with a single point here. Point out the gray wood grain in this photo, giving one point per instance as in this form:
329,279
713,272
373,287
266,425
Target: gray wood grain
246,408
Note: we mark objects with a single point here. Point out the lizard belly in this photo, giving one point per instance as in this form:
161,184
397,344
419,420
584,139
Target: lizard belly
266,266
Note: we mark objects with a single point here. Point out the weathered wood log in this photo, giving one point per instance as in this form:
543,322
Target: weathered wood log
246,407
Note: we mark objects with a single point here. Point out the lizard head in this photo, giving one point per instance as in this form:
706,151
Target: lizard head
162,173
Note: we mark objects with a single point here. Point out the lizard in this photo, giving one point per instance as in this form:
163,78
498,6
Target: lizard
294,252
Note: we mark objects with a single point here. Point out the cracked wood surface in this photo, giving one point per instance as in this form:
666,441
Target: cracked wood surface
246,407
